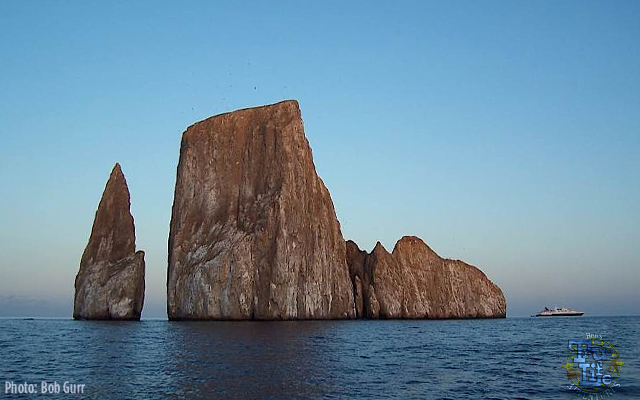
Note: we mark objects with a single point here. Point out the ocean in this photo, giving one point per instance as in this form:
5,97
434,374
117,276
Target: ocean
513,358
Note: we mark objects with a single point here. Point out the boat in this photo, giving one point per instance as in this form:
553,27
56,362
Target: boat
558,312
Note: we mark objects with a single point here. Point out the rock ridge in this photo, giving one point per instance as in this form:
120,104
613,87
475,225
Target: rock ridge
413,281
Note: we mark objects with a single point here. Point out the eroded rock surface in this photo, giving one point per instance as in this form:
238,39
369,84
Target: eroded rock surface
110,283
414,282
254,234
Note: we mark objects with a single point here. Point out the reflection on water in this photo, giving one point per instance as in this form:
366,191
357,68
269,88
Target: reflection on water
512,358
248,360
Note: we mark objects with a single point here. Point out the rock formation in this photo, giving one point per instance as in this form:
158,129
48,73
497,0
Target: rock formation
414,282
110,283
254,234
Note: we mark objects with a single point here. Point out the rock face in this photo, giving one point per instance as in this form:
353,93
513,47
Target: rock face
414,282
110,283
254,234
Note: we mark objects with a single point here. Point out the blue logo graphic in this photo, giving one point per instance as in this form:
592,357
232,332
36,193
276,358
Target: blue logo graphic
593,367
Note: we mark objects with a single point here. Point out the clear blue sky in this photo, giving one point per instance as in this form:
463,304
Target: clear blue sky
504,133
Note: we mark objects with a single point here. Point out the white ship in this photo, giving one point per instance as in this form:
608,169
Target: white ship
559,311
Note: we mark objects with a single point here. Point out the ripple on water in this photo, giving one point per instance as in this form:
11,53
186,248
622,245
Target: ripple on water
512,358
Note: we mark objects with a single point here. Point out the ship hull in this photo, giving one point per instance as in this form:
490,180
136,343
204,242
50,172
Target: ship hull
561,315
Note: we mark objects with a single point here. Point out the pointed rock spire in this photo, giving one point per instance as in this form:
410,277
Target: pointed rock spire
110,283
113,234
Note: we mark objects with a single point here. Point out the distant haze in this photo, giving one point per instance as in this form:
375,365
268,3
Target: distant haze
504,133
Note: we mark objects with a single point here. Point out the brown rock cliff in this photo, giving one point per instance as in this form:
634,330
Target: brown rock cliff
254,234
414,282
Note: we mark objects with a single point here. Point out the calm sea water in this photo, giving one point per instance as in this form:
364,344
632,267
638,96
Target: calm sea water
514,358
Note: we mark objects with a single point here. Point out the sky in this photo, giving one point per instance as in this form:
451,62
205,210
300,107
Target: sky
503,133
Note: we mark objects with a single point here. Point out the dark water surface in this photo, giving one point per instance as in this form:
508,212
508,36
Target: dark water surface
514,358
